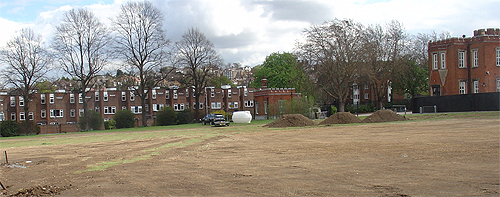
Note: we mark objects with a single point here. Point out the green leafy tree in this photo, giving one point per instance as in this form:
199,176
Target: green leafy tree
283,70
184,117
166,116
93,120
9,128
412,79
220,80
110,124
124,119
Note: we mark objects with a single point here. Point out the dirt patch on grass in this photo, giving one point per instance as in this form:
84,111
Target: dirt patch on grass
291,120
384,116
341,118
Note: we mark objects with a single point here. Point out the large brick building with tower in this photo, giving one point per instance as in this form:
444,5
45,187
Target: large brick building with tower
465,65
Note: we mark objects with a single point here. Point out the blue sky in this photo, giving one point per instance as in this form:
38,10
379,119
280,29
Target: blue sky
246,31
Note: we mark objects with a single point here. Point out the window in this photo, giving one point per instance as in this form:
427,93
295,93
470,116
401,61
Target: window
31,116
56,113
146,107
21,101
187,92
498,56
96,96
71,98
367,95
229,93
245,92
12,101
475,58
215,105
106,110
153,94
476,86
167,94
13,116
97,109
249,103
175,94
498,84
124,96
461,59
22,116
461,85
443,60
80,98
256,107
136,109
194,105
105,96
179,107
43,113
72,113
51,98
157,107
42,98
265,107
235,105
212,92
201,106
80,112
124,107
109,109
187,105
435,61
132,97
194,92
2,116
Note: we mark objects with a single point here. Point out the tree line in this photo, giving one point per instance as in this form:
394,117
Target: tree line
82,46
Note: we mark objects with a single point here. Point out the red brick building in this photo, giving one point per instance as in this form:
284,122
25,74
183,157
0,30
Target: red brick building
465,65
63,107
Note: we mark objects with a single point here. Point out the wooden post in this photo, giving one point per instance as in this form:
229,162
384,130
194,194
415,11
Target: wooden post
2,186
6,159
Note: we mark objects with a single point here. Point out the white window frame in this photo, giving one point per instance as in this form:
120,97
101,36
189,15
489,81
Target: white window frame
498,84
51,98
498,56
72,113
105,96
96,95
71,98
21,101
13,116
124,107
124,96
443,60
367,96
12,101
175,94
153,94
97,109
167,94
42,99
22,116
43,113
81,112
106,109
235,105
31,115
200,105
113,109
435,61
476,86
53,113
80,98
187,92
229,93
462,87
265,107
132,96
461,60
475,58
212,93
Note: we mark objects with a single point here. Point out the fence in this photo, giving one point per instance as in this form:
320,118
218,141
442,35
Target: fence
457,103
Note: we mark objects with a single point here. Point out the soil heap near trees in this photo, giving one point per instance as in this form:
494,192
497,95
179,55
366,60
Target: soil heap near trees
341,118
291,120
385,115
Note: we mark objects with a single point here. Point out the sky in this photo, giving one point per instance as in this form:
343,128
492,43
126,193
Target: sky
246,31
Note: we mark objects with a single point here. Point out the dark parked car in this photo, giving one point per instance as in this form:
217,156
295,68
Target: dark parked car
214,119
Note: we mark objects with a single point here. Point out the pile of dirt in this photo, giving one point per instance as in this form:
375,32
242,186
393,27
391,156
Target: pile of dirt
291,120
46,190
341,118
384,116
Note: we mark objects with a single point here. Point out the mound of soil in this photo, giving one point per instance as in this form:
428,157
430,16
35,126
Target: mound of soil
341,118
291,120
41,191
385,115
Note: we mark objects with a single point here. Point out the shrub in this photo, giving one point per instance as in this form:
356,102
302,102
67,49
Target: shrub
184,117
124,119
93,119
9,128
333,109
110,124
28,128
166,116
364,108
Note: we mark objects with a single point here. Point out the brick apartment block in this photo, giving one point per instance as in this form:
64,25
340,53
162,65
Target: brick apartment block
465,65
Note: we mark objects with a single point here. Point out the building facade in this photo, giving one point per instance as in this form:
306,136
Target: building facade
64,107
465,65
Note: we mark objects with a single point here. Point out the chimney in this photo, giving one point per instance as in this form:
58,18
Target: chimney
263,83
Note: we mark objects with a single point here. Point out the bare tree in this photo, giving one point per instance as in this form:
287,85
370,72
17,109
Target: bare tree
384,48
333,52
141,42
196,54
80,43
28,62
